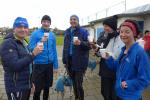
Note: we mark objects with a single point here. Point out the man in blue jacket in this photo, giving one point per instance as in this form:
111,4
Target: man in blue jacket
45,62
76,54
16,61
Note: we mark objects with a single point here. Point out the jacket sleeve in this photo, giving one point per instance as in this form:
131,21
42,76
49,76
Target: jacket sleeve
112,63
10,58
85,45
55,54
114,47
143,73
64,51
33,41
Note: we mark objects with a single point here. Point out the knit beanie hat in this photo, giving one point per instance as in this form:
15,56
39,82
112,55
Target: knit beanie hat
111,22
133,25
75,17
20,21
46,17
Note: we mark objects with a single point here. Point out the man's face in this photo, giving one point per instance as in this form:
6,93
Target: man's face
21,32
46,24
107,29
74,22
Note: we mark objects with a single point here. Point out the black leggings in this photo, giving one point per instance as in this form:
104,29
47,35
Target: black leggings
77,79
108,88
42,79
45,95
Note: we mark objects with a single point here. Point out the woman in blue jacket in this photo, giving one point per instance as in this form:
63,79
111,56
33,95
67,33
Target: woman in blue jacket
132,66
76,54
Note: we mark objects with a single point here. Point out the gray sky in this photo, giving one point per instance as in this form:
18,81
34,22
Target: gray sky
59,10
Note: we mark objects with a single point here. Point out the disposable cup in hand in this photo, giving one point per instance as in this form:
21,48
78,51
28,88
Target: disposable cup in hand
103,52
40,44
75,39
90,38
46,34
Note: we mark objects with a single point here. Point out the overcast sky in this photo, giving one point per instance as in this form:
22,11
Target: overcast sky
59,10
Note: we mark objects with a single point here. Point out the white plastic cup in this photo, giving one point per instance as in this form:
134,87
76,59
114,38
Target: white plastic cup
40,44
90,38
46,34
103,52
75,38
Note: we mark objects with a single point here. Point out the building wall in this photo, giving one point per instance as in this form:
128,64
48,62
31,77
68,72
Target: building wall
145,18
121,20
147,22
98,26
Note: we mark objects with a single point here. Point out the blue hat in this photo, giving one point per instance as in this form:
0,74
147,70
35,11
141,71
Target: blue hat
20,21
75,17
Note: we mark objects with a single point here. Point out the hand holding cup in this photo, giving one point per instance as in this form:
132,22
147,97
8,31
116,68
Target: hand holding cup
45,37
90,39
104,53
76,41
38,49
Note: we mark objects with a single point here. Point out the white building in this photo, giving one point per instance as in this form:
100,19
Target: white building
141,14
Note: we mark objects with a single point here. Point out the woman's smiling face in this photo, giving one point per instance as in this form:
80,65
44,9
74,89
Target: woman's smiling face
126,34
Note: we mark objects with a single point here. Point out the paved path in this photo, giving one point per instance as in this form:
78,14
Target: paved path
91,85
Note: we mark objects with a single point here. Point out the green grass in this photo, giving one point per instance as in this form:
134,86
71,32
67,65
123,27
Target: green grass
59,40
1,40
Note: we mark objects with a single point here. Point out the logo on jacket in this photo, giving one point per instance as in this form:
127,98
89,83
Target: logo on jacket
102,45
10,50
127,59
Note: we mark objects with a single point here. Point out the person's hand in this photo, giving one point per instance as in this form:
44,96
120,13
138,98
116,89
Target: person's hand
44,39
33,88
77,42
124,84
38,49
55,71
105,55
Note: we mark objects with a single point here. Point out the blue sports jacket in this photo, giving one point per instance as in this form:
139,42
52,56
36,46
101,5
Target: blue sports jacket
49,54
134,68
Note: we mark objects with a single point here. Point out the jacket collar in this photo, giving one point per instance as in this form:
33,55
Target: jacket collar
130,49
45,30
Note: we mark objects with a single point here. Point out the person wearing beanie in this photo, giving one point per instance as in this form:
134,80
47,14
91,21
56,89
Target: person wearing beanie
46,17
111,22
76,54
132,67
109,41
46,62
20,22
16,61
